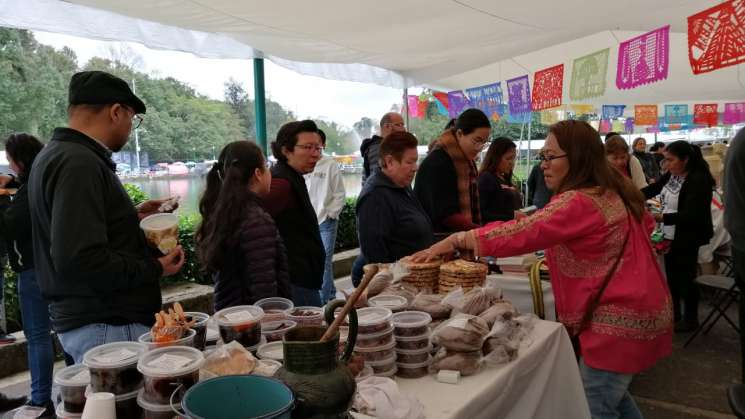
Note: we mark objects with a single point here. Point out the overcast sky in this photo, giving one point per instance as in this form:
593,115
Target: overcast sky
308,97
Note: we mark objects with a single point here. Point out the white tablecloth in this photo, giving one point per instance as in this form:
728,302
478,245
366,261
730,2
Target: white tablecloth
516,289
543,382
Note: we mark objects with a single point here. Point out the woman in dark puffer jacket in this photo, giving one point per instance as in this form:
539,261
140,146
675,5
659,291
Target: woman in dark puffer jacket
238,241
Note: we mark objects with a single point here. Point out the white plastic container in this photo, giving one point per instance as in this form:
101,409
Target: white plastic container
377,353
188,340
417,370
240,323
154,411
170,370
275,308
72,382
314,316
373,340
275,331
411,323
413,356
372,320
395,303
271,350
113,367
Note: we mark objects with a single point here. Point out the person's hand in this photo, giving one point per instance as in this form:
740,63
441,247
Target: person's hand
156,206
519,215
444,248
5,180
173,261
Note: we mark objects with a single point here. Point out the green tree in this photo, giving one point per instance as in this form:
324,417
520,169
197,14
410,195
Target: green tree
365,127
339,140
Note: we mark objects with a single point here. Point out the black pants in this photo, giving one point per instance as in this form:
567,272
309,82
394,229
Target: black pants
738,257
681,265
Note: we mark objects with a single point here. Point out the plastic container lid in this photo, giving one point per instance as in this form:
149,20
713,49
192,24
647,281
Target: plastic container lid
157,222
376,335
151,407
117,397
212,334
415,365
317,310
61,414
73,376
200,317
268,327
390,360
411,319
272,302
413,338
389,301
414,351
114,355
272,350
238,315
387,346
370,316
390,373
147,339
171,361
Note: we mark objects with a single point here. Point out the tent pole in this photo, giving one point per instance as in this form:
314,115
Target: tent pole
527,160
406,106
260,104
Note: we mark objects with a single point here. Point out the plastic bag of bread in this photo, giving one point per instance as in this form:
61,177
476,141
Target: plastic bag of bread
502,310
431,304
479,299
229,359
500,351
468,363
463,332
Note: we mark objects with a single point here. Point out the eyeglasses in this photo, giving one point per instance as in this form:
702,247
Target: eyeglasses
311,147
480,144
548,159
397,124
136,121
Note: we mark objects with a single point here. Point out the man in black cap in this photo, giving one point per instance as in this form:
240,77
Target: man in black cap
93,263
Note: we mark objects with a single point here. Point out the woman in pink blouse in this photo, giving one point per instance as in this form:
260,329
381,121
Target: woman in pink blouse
608,287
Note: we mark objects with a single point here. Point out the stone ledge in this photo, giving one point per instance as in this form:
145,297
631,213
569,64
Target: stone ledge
343,262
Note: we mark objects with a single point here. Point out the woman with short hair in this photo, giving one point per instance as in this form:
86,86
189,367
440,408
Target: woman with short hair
647,160
617,152
498,196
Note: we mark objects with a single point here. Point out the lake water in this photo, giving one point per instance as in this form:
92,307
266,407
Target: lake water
190,189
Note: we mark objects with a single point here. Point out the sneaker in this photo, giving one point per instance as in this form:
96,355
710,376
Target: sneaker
6,338
10,403
49,412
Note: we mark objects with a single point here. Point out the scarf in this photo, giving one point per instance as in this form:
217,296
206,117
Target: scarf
468,188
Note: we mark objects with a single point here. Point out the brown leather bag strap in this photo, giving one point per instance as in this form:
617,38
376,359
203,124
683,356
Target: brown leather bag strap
587,318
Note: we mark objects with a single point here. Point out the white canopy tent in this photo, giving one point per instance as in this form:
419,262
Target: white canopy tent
445,44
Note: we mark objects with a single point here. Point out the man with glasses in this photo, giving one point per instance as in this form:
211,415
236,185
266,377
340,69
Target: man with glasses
93,262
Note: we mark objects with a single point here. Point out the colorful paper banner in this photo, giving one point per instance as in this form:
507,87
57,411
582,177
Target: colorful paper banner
716,38
734,113
628,125
613,111
486,98
617,126
413,102
441,99
550,117
643,59
605,126
588,75
583,109
548,88
676,114
705,114
645,114
518,90
457,102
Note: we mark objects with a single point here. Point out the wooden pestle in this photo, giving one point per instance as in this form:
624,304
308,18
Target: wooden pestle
351,301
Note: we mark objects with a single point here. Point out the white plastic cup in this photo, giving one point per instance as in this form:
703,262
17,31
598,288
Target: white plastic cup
100,406
161,231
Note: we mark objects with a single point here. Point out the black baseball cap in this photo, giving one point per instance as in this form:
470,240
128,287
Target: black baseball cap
101,88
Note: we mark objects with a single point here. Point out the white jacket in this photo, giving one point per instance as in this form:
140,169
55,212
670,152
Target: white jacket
326,189
637,173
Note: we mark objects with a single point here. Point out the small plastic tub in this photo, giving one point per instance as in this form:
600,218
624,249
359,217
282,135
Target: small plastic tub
411,323
240,323
113,367
213,335
306,316
274,331
382,367
373,320
255,348
62,414
200,339
395,303
413,356
272,350
126,404
186,340
169,370
275,308
365,373
72,382
413,342
374,340
153,410
415,370
377,353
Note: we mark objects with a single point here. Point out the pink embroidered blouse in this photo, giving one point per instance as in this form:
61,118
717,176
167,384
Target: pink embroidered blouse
583,234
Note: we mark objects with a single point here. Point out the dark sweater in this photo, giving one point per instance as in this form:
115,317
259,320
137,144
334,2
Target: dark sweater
692,222
298,226
734,191
538,193
391,221
649,165
255,265
370,156
15,227
497,199
92,261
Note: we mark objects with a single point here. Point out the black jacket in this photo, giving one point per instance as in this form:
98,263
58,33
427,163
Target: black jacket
298,227
538,193
255,264
734,191
497,201
692,222
92,261
391,221
15,227
370,156
649,165
436,188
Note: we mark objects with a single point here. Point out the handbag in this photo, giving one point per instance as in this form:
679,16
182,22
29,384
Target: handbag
595,301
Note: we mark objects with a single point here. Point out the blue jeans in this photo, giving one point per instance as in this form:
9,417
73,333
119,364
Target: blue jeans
328,236
302,296
78,341
608,393
357,269
37,327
